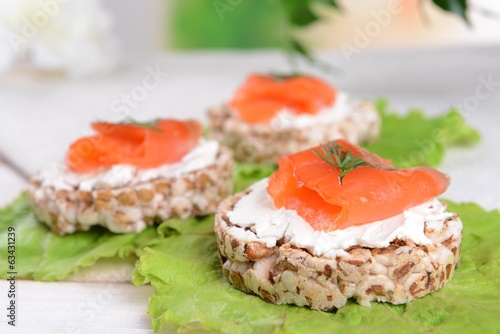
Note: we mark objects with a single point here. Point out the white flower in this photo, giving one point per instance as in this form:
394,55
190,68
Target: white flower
74,36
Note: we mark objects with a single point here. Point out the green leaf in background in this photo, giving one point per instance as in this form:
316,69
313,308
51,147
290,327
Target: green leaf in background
195,24
199,24
190,293
415,139
300,13
44,256
299,48
457,7
331,3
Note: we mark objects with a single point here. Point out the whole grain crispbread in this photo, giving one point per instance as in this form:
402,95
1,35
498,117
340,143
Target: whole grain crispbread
133,207
265,143
286,274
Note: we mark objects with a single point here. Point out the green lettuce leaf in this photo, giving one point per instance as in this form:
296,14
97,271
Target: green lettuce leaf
176,226
44,256
191,295
415,139
246,174
409,140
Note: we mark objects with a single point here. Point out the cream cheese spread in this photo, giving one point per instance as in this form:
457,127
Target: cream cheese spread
340,110
255,218
203,155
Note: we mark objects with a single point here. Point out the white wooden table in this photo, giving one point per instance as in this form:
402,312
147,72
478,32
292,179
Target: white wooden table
41,116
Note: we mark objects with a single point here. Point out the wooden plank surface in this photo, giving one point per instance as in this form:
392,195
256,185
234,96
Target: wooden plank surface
72,307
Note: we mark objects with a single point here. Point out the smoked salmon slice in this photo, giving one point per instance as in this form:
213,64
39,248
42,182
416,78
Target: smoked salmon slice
374,190
261,97
141,145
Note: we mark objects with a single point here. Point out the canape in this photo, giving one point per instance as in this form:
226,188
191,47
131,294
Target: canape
272,115
338,222
129,175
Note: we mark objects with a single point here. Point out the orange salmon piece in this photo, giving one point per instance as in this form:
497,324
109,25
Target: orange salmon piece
144,147
309,185
261,97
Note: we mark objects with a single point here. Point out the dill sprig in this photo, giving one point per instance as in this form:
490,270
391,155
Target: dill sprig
152,125
282,76
337,156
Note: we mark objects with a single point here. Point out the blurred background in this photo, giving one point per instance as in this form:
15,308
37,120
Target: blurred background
92,36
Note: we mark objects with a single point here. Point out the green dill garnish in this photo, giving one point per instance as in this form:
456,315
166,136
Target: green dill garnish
152,125
282,77
337,156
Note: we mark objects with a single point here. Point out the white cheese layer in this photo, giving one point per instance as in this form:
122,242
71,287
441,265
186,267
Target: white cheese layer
257,219
340,110
203,155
